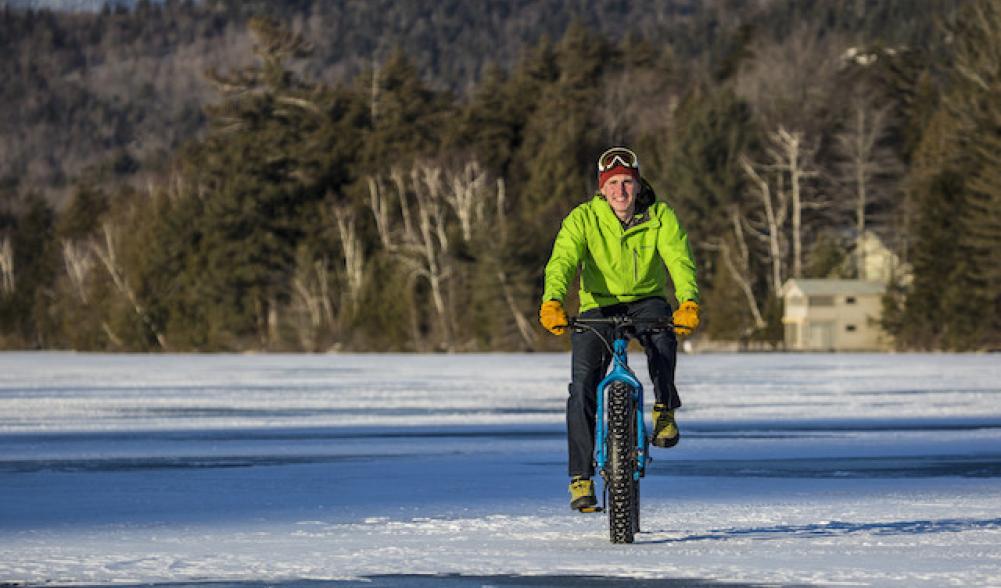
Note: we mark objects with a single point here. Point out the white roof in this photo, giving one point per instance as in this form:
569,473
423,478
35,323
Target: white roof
825,287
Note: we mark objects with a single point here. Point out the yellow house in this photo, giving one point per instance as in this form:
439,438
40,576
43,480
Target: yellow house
833,315
878,263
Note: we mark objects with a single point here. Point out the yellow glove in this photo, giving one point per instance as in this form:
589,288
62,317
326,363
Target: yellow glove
686,318
553,317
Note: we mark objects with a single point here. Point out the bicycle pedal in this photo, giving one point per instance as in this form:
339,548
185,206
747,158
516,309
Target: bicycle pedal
590,509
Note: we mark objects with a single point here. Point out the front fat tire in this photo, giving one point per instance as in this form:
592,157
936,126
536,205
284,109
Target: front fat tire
623,491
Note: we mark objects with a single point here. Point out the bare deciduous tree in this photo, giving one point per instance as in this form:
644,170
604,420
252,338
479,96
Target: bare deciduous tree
795,159
633,99
465,194
106,252
736,257
524,327
6,266
311,290
433,203
79,264
738,263
779,187
865,166
378,203
613,110
424,250
775,209
788,81
353,252
522,323
432,243
502,209
399,181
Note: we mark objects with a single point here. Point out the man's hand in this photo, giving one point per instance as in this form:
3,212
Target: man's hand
553,317
686,318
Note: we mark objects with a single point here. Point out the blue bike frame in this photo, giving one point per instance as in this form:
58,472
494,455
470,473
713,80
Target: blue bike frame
621,373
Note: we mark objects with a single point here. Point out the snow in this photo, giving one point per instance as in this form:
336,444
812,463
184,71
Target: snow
858,470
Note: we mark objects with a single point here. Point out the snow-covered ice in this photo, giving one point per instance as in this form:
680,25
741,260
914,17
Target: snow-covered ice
859,470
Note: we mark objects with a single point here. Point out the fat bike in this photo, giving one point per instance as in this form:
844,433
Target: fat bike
621,445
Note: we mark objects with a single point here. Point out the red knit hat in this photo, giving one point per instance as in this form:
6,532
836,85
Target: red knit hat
614,171
617,161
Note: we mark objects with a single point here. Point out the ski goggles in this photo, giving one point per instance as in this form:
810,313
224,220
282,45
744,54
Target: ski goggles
617,156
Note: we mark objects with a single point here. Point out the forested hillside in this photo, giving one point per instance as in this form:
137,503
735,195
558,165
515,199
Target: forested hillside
379,175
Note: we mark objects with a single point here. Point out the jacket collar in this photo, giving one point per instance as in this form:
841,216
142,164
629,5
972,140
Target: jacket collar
607,216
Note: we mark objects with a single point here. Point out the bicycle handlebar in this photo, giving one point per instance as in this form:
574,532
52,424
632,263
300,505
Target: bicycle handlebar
622,322
664,321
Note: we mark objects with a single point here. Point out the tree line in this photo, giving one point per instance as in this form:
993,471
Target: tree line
383,211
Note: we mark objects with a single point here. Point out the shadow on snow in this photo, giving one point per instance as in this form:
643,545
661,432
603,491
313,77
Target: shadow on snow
458,581
839,529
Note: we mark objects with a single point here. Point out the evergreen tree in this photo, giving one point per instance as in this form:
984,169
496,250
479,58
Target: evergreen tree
24,312
491,125
262,172
82,215
701,172
974,105
562,142
955,299
236,244
705,186
80,306
406,117
929,318
561,139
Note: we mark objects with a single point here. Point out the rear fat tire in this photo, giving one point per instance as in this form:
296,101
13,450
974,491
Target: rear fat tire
623,489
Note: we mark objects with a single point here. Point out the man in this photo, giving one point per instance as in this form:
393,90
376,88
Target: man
624,244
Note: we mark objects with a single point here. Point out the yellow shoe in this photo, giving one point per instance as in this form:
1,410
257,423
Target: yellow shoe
665,430
582,493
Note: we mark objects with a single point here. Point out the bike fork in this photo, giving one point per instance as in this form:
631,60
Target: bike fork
642,443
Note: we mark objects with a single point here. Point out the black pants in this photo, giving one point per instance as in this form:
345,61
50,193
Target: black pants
590,362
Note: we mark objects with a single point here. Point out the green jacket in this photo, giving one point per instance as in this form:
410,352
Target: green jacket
620,265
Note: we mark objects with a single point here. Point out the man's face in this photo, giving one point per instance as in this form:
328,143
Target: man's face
620,192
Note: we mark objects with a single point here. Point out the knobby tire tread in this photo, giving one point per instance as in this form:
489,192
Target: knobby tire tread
623,491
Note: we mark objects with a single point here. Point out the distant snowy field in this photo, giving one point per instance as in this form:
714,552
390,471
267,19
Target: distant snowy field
857,470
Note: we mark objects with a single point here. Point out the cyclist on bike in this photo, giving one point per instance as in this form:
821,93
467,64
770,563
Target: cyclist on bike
625,244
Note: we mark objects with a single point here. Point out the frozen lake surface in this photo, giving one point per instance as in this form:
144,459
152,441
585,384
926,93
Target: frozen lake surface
420,470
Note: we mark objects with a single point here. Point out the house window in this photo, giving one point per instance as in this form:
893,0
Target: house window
850,328
849,300
821,300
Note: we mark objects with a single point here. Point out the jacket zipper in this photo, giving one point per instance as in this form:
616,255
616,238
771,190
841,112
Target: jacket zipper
636,266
